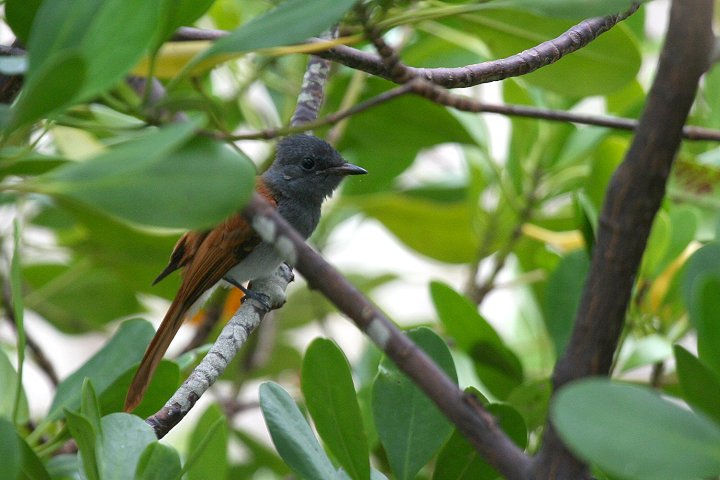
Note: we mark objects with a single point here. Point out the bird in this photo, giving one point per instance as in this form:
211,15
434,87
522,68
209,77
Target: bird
306,170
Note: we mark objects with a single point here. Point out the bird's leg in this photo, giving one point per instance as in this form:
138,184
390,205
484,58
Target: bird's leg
263,299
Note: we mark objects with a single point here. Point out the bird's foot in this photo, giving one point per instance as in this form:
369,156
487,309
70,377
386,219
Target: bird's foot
261,298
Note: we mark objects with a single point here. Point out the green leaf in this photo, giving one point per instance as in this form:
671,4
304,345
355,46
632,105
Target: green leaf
112,248
562,297
700,384
291,22
261,456
124,439
458,460
209,444
524,139
122,352
645,351
10,450
705,261
180,13
165,382
292,435
684,226
19,15
109,35
531,399
330,397
193,186
43,94
19,402
64,467
439,230
704,311
32,467
495,364
632,432
366,141
85,436
158,462
410,426
17,163
569,8
79,297
604,65
90,407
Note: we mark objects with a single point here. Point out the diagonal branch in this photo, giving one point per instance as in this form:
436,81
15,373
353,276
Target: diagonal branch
632,200
462,409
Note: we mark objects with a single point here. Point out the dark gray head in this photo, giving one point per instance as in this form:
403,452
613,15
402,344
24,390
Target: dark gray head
307,169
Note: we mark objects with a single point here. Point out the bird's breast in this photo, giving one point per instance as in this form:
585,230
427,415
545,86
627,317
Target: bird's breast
261,262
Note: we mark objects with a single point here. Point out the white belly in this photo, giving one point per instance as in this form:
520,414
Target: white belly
261,262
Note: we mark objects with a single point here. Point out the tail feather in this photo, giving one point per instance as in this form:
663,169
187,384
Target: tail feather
154,353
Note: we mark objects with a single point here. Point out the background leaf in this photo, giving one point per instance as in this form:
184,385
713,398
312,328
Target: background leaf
10,449
331,400
496,365
158,462
194,185
124,439
209,444
562,297
439,230
613,425
458,460
291,22
700,384
122,352
291,434
409,425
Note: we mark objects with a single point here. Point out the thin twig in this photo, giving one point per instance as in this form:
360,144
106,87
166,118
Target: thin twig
477,292
443,97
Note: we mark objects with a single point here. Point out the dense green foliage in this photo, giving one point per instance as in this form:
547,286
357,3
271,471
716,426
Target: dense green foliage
88,159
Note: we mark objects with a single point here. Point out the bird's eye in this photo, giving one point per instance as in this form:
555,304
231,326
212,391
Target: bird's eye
308,163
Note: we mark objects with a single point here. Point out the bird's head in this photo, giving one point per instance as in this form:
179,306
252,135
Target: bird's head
306,167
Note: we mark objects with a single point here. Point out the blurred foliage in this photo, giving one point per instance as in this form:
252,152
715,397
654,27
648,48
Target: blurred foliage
111,180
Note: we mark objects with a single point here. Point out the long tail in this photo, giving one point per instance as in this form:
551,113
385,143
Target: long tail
154,353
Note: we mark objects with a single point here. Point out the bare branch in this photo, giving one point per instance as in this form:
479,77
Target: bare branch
443,97
632,200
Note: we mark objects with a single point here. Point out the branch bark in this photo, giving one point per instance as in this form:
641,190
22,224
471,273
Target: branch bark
231,339
521,63
632,200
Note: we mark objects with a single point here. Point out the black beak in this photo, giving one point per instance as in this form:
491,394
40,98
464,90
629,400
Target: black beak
347,169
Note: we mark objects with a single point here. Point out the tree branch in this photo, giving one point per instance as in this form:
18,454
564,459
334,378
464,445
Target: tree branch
441,96
231,339
462,409
632,200
522,63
